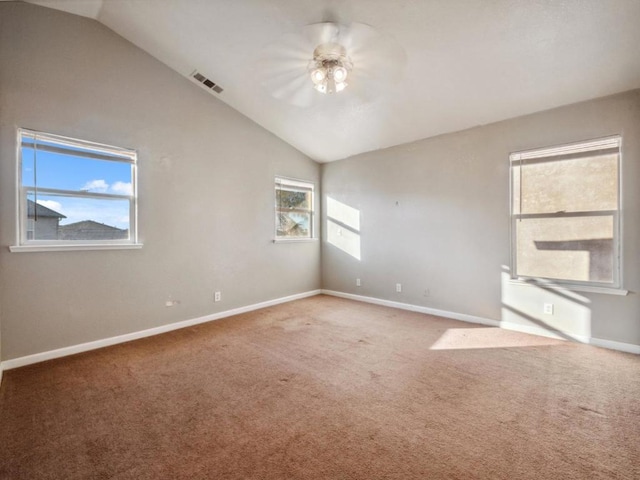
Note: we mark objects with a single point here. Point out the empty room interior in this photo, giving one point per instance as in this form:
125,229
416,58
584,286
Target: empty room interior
350,239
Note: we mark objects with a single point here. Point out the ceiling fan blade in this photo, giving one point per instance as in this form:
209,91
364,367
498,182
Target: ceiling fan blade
372,49
378,61
295,91
282,68
291,48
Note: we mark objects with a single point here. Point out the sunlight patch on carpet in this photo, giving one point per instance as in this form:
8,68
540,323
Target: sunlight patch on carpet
490,337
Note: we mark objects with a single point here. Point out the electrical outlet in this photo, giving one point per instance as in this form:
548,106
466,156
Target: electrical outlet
398,287
217,296
358,282
427,292
548,308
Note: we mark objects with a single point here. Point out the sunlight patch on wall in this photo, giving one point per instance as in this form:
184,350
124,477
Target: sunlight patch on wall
343,227
348,216
524,304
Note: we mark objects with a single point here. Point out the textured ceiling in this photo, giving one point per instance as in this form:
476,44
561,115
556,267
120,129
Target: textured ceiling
469,62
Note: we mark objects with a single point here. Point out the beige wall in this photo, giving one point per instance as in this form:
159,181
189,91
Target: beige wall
434,216
205,185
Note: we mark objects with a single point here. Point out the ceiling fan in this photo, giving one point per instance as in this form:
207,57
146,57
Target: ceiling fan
331,59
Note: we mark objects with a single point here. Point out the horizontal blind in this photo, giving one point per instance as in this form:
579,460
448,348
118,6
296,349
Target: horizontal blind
78,148
293,185
570,149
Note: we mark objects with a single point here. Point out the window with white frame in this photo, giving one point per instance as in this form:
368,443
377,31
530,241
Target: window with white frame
565,212
74,192
294,209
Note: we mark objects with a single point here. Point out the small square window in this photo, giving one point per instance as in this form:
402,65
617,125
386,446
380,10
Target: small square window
294,209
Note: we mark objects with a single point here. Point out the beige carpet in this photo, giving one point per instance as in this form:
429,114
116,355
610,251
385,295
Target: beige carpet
325,388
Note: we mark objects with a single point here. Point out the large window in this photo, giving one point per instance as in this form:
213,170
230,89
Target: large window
74,193
565,213
294,209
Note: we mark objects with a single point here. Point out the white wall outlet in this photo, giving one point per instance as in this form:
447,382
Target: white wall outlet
548,308
217,296
398,287
427,292
358,283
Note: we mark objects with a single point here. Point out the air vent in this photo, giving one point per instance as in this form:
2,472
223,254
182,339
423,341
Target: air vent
210,85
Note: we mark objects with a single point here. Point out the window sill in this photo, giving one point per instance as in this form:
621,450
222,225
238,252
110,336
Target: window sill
573,288
294,240
66,248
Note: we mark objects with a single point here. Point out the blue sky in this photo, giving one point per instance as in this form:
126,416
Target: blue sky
66,172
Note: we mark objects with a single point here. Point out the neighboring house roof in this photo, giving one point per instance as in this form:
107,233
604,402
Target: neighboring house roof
90,230
41,210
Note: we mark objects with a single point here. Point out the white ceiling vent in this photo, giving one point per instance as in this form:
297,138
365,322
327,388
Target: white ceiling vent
205,82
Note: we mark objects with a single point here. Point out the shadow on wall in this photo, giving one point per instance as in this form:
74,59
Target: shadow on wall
561,313
343,227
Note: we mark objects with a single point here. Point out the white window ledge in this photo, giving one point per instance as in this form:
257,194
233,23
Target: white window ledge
66,248
294,240
573,288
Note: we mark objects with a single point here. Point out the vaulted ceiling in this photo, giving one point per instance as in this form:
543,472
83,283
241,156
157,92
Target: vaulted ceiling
468,62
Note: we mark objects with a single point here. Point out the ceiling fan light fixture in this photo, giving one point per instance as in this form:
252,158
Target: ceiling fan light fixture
318,75
319,59
340,74
329,68
321,88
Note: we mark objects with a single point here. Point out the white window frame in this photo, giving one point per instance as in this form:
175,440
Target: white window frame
294,184
118,154
519,159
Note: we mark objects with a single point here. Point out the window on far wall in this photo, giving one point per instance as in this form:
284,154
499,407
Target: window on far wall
294,209
74,192
565,210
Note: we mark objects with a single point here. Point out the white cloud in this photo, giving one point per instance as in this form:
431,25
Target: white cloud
99,186
52,204
123,188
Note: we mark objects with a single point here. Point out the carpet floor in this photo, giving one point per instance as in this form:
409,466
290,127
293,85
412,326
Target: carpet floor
326,388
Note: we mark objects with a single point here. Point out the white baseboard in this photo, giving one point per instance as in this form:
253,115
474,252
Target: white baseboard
415,308
613,345
531,329
85,347
543,332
